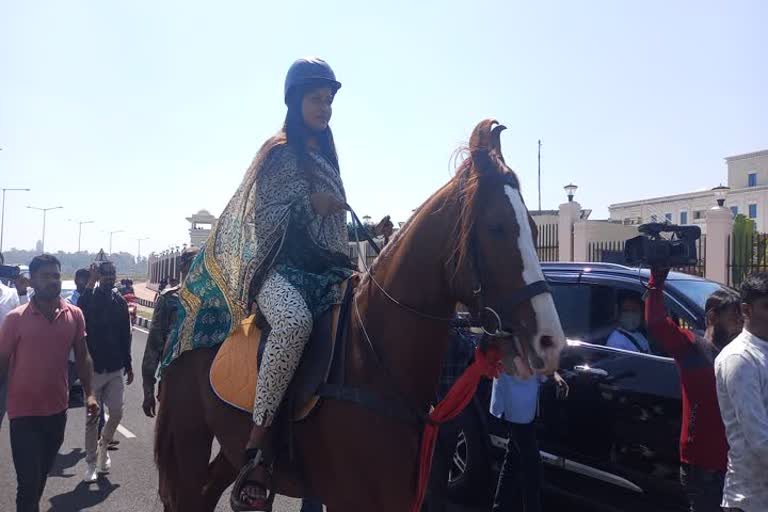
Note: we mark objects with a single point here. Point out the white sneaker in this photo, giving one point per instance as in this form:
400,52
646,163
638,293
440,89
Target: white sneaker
103,462
90,474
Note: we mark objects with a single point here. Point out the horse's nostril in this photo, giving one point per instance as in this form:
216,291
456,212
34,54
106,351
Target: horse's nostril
547,342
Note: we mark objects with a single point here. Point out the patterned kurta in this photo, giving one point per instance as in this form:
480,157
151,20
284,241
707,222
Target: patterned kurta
269,223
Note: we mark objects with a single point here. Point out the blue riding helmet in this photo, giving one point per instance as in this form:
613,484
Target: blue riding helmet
310,71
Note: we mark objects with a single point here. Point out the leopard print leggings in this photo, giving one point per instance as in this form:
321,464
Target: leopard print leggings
291,321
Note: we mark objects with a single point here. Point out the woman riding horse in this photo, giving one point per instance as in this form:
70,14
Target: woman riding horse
301,200
282,243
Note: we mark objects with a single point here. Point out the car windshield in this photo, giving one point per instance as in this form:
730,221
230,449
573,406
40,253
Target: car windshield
696,291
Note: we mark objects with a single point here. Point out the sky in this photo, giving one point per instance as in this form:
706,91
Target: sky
137,114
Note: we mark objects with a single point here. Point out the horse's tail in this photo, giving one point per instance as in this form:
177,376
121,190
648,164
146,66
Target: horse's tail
165,458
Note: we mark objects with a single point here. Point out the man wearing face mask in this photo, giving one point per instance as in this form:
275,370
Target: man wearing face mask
703,444
629,335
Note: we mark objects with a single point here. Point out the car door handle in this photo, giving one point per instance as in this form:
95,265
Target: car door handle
584,368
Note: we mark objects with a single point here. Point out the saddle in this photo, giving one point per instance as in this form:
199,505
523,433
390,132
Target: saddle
234,371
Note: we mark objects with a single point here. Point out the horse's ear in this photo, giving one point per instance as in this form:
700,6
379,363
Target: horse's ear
485,145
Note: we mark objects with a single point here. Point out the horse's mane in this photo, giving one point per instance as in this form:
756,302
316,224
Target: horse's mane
482,164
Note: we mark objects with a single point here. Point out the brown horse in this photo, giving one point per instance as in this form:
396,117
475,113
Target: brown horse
472,242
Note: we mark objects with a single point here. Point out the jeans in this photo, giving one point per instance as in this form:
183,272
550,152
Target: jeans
3,392
109,389
35,441
308,505
704,488
519,486
442,460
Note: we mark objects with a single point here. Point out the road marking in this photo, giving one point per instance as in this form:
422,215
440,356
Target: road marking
140,329
126,433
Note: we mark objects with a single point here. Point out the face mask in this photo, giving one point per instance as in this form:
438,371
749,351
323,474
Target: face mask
630,321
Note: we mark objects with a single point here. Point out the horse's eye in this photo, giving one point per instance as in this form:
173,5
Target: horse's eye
497,230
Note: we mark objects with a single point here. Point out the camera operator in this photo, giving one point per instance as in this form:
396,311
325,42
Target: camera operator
703,445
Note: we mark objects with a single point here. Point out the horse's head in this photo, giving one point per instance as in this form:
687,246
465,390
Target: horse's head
495,264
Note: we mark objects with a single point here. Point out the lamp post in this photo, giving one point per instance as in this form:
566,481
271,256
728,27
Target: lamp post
45,212
110,238
570,189
80,230
2,215
138,250
721,192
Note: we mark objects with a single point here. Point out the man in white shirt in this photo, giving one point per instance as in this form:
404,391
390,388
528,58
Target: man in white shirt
629,334
10,299
741,369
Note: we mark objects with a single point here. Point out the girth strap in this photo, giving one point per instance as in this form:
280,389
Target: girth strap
392,408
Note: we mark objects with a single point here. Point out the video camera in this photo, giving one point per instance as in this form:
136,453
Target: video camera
651,249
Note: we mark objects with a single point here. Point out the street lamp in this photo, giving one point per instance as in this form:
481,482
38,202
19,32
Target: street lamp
80,230
570,189
138,250
721,192
45,211
2,216
110,238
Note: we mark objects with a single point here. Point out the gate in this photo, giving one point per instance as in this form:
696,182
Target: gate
747,253
547,243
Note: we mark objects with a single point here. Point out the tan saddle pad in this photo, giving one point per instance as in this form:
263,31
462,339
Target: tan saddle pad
235,369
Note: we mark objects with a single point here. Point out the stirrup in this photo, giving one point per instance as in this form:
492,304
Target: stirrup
254,458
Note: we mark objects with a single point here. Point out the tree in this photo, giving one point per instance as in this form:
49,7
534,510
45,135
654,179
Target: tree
743,248
126,264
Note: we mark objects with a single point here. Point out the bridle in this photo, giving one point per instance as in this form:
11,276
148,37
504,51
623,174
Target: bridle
515,298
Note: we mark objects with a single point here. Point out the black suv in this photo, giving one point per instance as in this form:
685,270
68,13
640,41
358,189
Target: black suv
613,444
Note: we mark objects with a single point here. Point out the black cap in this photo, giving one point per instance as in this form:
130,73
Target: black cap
310,71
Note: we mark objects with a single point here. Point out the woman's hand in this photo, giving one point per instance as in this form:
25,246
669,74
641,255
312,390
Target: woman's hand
326,204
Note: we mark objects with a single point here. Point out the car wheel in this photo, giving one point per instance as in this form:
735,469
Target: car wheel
470,477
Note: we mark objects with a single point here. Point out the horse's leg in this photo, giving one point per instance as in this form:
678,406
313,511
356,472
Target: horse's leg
221,474
183,440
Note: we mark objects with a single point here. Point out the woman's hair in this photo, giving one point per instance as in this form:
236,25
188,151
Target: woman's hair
297,133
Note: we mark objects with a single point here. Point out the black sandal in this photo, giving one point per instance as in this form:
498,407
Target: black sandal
253,460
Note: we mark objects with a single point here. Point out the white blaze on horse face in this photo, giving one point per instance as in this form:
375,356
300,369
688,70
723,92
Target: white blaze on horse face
547,319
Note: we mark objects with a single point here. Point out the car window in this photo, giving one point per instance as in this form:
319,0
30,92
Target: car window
572,302
590,313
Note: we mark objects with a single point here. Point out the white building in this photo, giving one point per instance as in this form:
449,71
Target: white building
201,225
748,195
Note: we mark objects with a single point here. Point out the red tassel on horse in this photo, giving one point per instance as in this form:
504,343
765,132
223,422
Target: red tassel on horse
487,364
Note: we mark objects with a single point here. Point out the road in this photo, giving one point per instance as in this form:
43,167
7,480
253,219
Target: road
130,486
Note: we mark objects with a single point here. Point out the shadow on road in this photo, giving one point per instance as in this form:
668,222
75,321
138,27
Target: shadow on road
66,461
83,496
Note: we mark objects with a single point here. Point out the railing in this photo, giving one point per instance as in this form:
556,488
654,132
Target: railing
547,243
700,268
747,253
613,252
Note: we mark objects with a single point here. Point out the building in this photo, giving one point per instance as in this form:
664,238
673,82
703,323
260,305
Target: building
201,225
748,195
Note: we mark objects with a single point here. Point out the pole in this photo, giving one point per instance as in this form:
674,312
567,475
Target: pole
2,223
45,214
80,230
42,246
138,251
2,215
110,239
539,174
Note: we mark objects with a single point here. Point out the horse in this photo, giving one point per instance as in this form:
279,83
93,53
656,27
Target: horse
472,243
